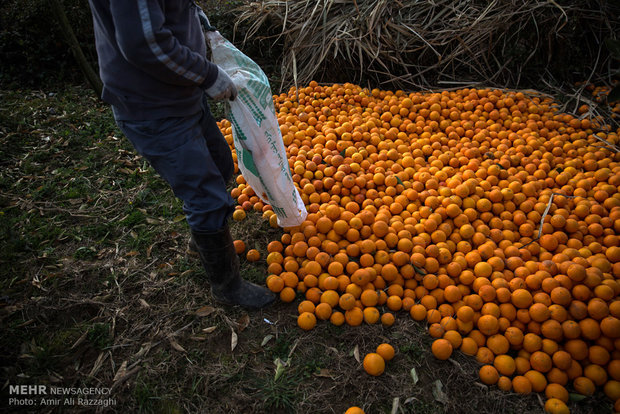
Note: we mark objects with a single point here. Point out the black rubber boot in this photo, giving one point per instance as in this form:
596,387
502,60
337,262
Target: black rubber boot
221,264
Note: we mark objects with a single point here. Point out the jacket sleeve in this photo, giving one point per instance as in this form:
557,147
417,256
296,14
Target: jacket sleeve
148,44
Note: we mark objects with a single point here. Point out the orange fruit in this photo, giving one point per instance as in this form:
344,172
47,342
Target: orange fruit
488,324
305,306
238,215
369,297
252,255
441,348
539,312
239,246
538,380
465,313
337,318
386,351
275,283
556,406
562,360
354,410
521,298
541,361
498,344
488,374
556,391
418,312
521,385
371,315
469,346
614,369
514,335
610,327
504,383
454,338
306,321
354,317
394,303
436,330
374,364
330,297
584,386
346,301
287,294
323,311
596,373
504,364
275,246
387,319
612,390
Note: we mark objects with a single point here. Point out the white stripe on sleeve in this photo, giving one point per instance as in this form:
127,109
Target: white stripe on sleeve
147,28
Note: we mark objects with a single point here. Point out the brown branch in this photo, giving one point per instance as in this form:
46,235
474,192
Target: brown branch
65,27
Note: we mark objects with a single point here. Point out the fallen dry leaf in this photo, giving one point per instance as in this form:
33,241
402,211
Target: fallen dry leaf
176,345
205,311
243,322
324,373
122,370
198,338
438,392
233,340
266,339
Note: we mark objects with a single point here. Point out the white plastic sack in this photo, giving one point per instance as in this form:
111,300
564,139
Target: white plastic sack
260,149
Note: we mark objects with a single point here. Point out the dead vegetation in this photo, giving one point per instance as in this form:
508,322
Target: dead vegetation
430,44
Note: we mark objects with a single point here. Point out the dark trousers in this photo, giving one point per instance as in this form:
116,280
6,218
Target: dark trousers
191,154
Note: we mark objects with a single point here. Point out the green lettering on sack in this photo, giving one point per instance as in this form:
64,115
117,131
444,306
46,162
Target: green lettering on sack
257,114
240,58
237,129
262,92
248,161
243,61
280,212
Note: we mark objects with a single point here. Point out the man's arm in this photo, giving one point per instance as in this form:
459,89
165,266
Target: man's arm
146,43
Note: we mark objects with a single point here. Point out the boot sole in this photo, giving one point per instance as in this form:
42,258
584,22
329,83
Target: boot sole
228,303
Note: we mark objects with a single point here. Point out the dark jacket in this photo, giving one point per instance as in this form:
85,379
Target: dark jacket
151,57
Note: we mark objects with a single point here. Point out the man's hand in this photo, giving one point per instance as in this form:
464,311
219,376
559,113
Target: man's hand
222,88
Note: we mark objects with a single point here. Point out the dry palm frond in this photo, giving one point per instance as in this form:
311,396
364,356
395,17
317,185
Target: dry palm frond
414,43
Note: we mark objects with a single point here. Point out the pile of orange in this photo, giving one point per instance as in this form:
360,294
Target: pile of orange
431,204
600,95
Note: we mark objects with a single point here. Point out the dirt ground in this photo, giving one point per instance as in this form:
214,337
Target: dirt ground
98,291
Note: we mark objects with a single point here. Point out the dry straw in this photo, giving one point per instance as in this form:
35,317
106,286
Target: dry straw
422,44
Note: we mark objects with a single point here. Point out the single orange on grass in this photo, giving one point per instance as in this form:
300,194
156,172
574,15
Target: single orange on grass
252,255
374,364
386,351
239,246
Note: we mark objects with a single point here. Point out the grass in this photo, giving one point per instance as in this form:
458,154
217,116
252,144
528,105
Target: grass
96,289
